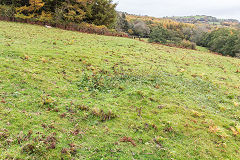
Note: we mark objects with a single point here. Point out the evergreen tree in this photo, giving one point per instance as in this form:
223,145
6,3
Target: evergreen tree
122,24
101,12
74,10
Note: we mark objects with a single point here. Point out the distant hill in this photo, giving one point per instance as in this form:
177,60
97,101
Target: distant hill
198,19
204,19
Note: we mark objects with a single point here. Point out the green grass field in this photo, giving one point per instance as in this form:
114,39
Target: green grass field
68,95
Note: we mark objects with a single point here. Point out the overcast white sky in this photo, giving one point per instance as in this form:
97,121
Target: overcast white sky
161,8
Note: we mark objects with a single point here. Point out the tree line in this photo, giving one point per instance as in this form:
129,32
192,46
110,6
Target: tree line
98,12
224,40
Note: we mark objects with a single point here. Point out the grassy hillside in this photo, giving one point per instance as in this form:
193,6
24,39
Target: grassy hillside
70,95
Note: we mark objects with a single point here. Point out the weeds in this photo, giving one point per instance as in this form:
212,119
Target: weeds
128,139
48,101
39,145
4,134
104,116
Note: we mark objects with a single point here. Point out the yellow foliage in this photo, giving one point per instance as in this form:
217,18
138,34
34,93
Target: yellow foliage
36,5
45,16
30,11
166,23
130,31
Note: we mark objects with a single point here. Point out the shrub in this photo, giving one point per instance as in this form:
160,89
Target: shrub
164,36
7,11
188,44
141,29
159,35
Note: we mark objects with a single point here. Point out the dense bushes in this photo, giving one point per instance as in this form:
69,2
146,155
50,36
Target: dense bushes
160,35
188,44
224,41
169,37
163,35
98,12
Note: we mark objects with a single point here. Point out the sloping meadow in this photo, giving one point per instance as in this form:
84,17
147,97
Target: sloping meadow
70,95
